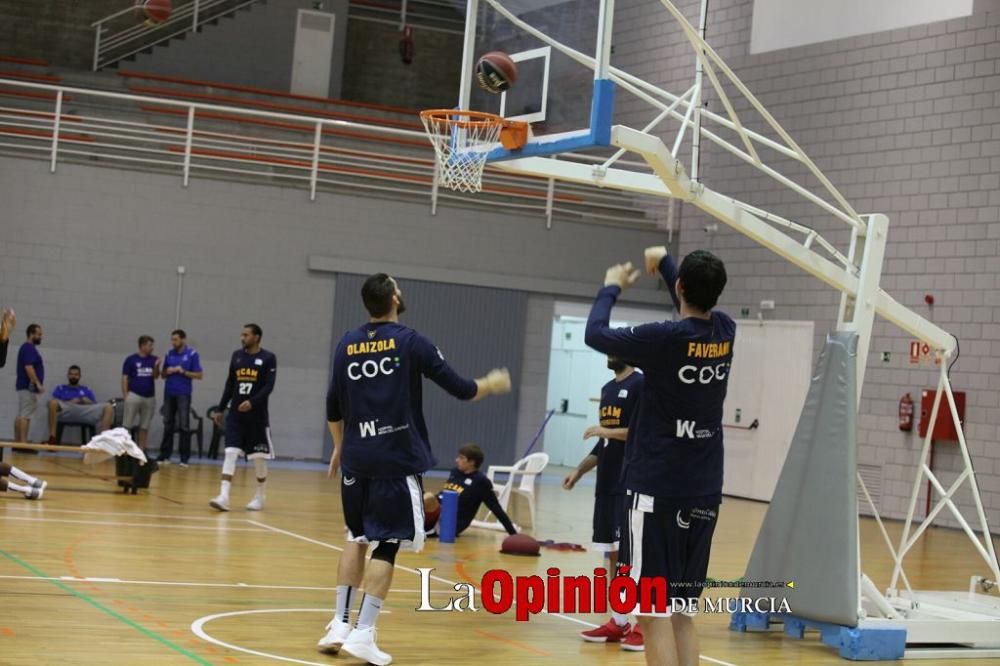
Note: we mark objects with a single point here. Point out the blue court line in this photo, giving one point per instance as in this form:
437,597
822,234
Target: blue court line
96,604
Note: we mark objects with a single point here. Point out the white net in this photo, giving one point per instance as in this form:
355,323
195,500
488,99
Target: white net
462,140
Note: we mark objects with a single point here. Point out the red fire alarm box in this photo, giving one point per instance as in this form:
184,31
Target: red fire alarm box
945,427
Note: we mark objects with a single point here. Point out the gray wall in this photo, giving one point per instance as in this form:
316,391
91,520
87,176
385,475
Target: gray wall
91,253
375,73
253,47
53,30
905,123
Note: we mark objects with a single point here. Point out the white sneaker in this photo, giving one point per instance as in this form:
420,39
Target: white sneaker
220,503
337,633
38,483
36,492
256,504
360,643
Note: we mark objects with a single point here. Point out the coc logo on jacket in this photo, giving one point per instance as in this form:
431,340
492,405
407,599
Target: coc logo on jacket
371,368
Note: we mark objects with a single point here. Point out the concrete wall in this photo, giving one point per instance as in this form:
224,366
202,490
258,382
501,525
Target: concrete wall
53,30
253,47
92,253
375,73
905,123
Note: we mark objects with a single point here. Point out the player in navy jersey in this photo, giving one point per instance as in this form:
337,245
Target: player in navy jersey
673,462
619,399
374,411
251,377
474,489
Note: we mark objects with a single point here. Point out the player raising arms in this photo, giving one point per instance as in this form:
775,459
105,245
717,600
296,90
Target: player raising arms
673,459
374,410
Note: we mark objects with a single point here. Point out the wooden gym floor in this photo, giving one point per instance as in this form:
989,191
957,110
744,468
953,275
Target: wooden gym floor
90,576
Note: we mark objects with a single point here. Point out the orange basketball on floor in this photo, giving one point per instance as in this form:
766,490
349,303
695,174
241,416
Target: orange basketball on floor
520,544
156,11
496,72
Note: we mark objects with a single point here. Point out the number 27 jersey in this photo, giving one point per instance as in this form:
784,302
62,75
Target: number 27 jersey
251,377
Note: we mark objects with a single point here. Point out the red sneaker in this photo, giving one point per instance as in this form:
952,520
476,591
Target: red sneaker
633,641
606,633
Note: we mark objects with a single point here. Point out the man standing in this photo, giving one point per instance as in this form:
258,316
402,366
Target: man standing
674,457
375,416
180,366
252,373
29,382
76,403
619,399
139,372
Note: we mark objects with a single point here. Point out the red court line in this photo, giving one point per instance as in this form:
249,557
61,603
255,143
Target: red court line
281,161
42,114
295,127
516,644
32,94
24,61
69,558
63,136
264,91
272,106
9,74
291,144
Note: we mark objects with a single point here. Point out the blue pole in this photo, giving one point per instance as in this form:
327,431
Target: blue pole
449,516
539,433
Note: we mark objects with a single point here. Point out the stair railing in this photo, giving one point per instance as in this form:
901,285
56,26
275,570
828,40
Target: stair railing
124,33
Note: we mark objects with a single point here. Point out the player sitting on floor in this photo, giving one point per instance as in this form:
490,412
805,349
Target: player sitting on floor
27,484
473,488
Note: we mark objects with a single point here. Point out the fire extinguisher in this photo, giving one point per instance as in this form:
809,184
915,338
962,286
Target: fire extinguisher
906,413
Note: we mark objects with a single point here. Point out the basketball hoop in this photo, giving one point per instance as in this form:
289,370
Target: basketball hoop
463,139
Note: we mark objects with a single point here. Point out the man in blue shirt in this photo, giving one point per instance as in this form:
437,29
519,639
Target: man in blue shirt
674,459
374,412
139,374
252,373
30,381
76,403
619,400
181,365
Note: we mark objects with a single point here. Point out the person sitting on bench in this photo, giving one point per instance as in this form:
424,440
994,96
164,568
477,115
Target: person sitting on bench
75,403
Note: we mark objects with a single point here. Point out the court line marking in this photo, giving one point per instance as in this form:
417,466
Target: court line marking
400,566
248,586
44,509
99,606
302,537
198,630
206,528
715,661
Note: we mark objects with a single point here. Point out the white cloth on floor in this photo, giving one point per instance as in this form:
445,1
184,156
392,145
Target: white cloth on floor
111,443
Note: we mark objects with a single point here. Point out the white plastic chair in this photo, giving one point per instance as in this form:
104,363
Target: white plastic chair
528,468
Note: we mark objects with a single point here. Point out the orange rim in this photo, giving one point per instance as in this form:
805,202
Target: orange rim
513,133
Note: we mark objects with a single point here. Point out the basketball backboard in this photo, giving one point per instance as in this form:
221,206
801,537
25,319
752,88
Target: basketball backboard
554,91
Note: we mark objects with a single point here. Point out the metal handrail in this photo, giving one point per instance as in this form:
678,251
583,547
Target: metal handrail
197,146
191,15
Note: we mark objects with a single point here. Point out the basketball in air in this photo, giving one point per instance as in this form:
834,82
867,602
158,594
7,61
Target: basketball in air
156,11
496,72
